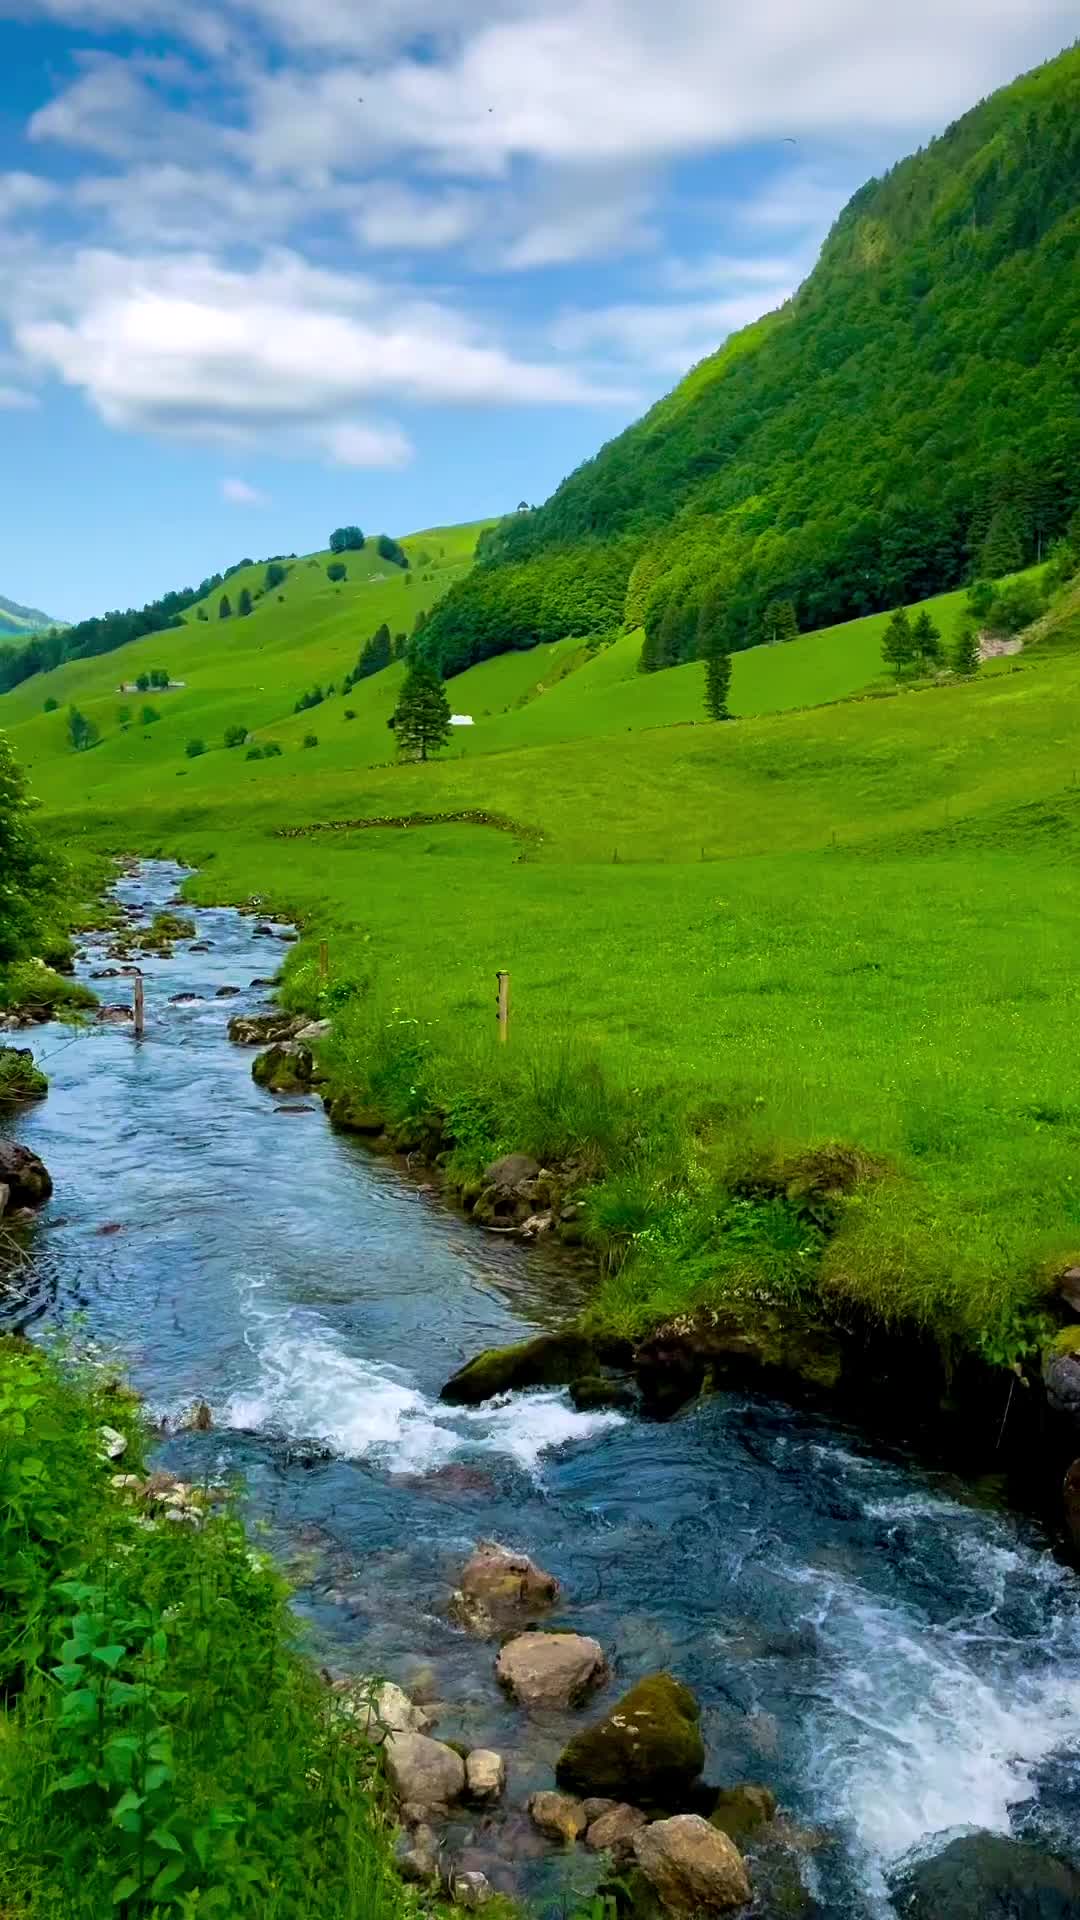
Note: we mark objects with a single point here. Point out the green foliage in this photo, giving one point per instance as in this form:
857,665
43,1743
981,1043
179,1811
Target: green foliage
275,573
1016,607
965,653
254,753
244,603
421,719
224,607
82,733
779,623
20,1079
313,698
31,988
168,1752
337,570
88,638
910,417
898,642
391,550
235,736
926,641
717,680
311,740
542,600
194,748
271,750
51,704
375,654
149,716
346,540
123,716
143,682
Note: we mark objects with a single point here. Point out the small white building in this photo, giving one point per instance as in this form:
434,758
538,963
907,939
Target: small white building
462,720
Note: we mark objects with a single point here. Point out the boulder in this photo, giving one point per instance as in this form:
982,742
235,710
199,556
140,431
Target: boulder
226,993
20,1078
513,1172
989,1876
750,1343
558,1816
551,1360
599,1392
424,1771
5,1196
350,1115
378,1710
24,1175
1061,1379
739,1811
551,1669
416,1856
315,1030
485,1776
614,1831
693,1869
649,1747
1070,1491
500,1588
597,1806
1068,1289
471,1891
286,1067
262,1029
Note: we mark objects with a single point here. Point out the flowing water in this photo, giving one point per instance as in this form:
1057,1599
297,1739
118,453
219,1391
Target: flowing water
897,1658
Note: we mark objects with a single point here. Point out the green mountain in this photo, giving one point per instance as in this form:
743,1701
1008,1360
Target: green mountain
19,620
910,418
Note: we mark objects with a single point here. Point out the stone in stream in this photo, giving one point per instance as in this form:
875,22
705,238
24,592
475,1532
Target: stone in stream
24,1175
1061,1379
740,1810
613,1831
226,993
471,1891
693,1869
648,1747
500,1588
485,1776
350,1115
1070,1496
989,1876
558,1816
380,1709
286,1067
1068,1289
422,1771
551,1669
262,1029
416,1856
550,1360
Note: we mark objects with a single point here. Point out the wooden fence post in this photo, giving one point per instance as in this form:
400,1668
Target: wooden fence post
324,960
503,979
140,1008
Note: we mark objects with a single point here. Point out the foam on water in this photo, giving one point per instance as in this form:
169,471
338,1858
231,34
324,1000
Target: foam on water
308,1386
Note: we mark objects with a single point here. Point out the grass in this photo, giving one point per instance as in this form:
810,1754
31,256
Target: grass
748,939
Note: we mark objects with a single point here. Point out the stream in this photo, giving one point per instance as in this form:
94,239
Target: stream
897,1656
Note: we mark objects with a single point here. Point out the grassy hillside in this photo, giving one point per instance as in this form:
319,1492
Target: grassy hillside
911,415
782,931
18,621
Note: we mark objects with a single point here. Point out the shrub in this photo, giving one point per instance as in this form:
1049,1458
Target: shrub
82,733
350,713
194,748
311,739
337,570
346,540
271,750
148,716
51,704
390,550
254,753
235,736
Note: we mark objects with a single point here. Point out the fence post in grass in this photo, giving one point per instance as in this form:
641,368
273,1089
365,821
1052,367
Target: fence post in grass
503,979
324,960
140,1008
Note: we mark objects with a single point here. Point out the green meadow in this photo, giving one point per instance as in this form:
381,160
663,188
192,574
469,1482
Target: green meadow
834,919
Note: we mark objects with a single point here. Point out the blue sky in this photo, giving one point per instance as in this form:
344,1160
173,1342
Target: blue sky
270,265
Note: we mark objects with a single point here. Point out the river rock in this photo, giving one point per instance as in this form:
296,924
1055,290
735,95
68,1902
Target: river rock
739,1811
551,1669
649,1747
350,1115
5,1196
1061,1379
315,1030
286,1067
226,993
485,1776
1070,1491
558,1816
471,1891
989,1876
614,1831
1068,1289
113,1443
693,1869
24,1175
416,1856
379,1710
424,1771
551,1360
513,1172
262,1029
750,1343
500,1588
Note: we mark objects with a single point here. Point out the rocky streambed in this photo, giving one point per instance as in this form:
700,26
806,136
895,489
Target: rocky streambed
876,1665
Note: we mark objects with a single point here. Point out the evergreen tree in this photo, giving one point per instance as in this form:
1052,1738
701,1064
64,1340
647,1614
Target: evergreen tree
421,719
649,657
717,680
243,605
780,622
1003,549
224,611
82,733
672,626
375,654
965,653
712,622
898,645
926,641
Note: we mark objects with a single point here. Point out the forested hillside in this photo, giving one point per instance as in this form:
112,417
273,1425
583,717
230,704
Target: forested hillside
21,620
910,419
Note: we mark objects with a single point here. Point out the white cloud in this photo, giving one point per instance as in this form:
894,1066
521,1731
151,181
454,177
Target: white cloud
665,338
239,494
179,344
397,218
16,400
24,193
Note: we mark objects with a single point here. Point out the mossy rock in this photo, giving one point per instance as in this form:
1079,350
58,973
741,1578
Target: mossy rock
551,1360
597,1392
20,1078
351,1115
170,926
647,1750
740,1811
284,1069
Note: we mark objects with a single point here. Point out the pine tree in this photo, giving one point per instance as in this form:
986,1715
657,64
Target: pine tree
243,605
1003,548
712,622
717,681
670,640
421,719
224,611
965,653
898,645
780,622
926,641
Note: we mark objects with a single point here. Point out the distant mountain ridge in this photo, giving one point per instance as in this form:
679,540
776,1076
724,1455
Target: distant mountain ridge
17,619
909,419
